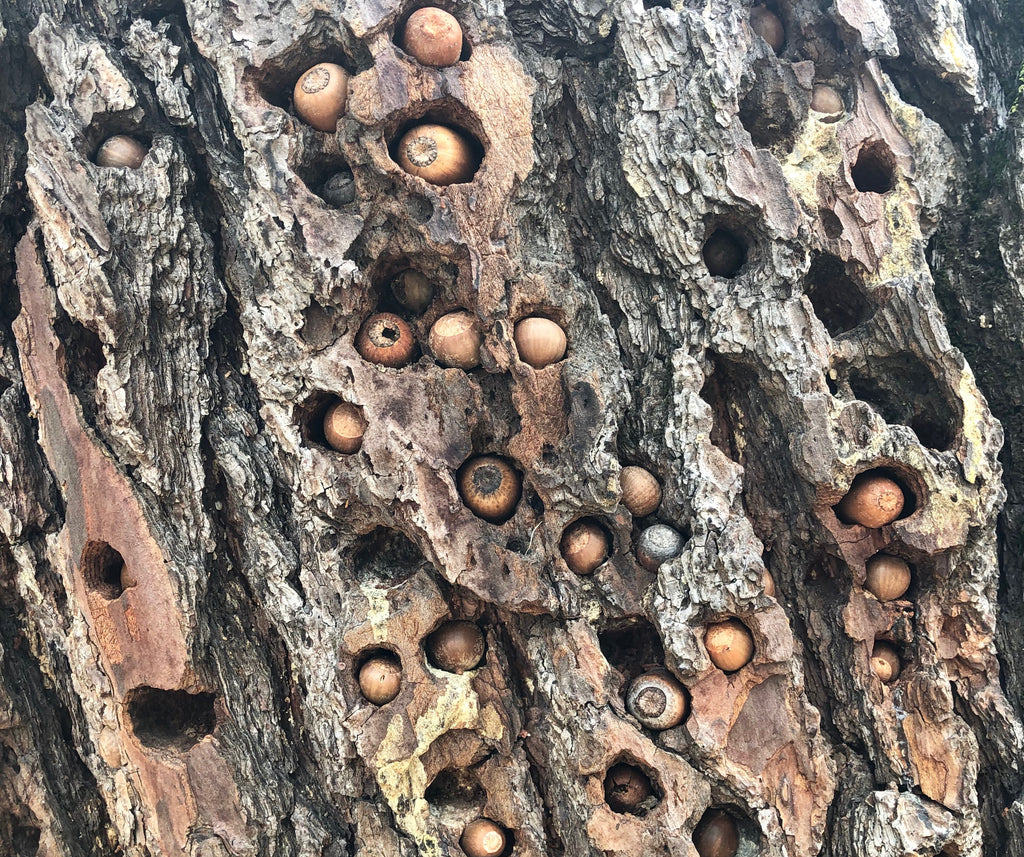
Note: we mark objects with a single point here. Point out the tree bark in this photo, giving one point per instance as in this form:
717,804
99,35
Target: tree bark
762,301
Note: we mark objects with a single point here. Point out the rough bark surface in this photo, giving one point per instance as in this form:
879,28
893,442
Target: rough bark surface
190,577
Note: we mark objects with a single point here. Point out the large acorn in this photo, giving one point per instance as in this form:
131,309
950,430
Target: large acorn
438,154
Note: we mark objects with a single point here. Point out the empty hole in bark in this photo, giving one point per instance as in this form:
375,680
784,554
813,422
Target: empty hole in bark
319,326
904,391
631,787
714,393
449,112
170,719
104,571
768,115
632,646
725,252
399,35
309,416
875,168
83,359
384,556
657,4
832,225
830,382
420,209
456,789
25,840
837,300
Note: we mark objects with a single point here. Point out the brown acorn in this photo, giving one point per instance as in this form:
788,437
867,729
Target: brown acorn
716,835
380,678
657,700
767,25
483,838
626,787
386,339
824,99
584,546
641,493
456,646
437,154
121,151
455,339
433,37
873,501
768,583
490,487
344,425
888,577
412,290
885,661
320,95
539,341
658,544
723,254
730,644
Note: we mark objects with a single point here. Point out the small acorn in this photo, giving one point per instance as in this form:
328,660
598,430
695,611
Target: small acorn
490,487
723,254
413,291
380,678
320,95
433,37
455,339
339,189
584,546
873,501
626,787
888,577
885,661
456,646
483,838
344,425
767,25
657,544
716,835
768,583
539,341
641,493
730,644
386,339
825,100
121,151
657,700
437,154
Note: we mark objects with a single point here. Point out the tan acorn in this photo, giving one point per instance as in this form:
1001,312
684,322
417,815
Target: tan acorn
584,546
723,254
825,99
626,787
768,583
320,95
641,493
767,25
344,425
456,646
437,154
888,577
873,501
433,37
539,341
657,700
885,661
730,644
386,339
380,678
716,835
490,487
121,151
412,290
455,340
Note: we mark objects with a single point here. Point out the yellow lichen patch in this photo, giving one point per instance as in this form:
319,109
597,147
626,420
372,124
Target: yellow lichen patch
815,151
378,611
973,425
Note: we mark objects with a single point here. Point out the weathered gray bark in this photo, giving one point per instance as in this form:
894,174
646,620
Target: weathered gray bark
172,335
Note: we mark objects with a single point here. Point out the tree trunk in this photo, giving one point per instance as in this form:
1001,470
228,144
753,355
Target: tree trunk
766,293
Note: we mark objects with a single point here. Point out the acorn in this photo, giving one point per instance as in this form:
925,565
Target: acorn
716,835
386,339
437,154
641,493
657,700
456,646
490,487
412,290
767,25
768,583
455,339
824,99
584,545
873,501
320,95
888,577
433,37
539,341
885,661
626,787
657,544
121,151
483,838
344,425
339,189
723,254
730,644
380,678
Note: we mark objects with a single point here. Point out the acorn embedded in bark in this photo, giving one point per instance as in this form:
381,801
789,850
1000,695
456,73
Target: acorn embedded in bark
344,425
885,661
626,787
490,487
657,544
657,700
730,644
825,100
873,501
641,493
386,339
320,95
380,678
767,25
121,151
456,646
412,290
483,838
584,546
888,577
539,341
716,835
433,37
438,154
455,340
